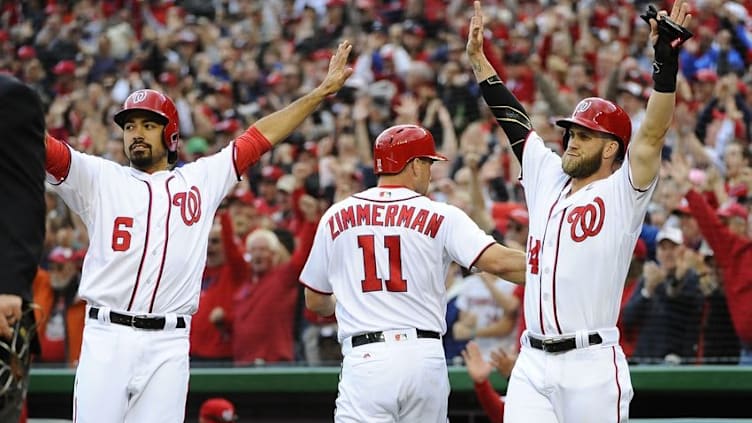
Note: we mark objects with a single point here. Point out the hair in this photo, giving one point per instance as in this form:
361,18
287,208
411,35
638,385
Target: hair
266,234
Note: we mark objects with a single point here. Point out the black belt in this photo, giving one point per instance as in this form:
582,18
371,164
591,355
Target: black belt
139,322
561,344
371,337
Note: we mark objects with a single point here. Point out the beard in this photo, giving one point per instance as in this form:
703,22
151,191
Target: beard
143,159
583,166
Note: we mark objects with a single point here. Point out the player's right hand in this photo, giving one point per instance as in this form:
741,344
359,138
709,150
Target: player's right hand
475,33
338,69
10,312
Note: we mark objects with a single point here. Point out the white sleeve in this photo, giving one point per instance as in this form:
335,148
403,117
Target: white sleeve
78,189
216,173
631,198
539,165
315,273
465,241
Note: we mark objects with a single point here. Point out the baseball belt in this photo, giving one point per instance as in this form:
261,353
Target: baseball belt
561,344
138,322
371,337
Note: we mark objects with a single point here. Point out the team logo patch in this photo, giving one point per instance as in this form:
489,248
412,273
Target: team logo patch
190,205
138,96
584,105
385,194
587,220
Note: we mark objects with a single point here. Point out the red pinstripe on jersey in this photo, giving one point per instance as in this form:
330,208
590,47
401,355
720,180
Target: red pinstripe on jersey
146,245
167,237
553,275
618,386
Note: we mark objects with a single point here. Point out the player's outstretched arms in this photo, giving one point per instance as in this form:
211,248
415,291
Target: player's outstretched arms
503,262
278,125
645,150
509,113
321,304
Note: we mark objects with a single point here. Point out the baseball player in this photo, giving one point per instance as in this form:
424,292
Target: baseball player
586,210
148,226
384,253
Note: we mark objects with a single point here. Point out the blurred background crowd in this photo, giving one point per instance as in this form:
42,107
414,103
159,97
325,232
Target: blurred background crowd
227,62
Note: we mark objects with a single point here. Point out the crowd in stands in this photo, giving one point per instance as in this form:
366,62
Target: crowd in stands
226,63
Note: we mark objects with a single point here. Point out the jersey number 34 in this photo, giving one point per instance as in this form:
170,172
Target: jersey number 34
372,282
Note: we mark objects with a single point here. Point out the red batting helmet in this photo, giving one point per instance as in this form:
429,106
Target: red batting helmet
399,144
602,116
162,106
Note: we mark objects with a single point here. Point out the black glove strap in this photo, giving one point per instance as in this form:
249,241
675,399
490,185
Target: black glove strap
666,63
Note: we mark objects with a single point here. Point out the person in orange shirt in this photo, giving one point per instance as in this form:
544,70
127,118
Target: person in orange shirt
61,312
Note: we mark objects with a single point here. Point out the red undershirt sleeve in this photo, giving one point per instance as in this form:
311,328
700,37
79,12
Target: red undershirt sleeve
249,147
58,159
490,401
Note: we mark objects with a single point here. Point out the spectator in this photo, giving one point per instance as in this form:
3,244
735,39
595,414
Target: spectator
479,368
264,304
732,249
61,311
665,307
211,339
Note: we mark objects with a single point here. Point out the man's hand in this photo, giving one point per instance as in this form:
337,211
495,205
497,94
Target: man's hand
338,70
503,362
477,367
475,33
10,312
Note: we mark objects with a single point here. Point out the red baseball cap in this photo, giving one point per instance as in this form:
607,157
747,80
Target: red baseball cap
64,67
61,255
26,52
218,410
733,210
520,216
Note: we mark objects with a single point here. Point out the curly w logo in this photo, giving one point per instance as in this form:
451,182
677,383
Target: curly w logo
190,205
587,220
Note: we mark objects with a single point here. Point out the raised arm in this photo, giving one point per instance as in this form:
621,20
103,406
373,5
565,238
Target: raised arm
645,150
507,110
274,128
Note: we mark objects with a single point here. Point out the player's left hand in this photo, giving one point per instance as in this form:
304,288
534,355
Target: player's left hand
475,32
338,70
679,15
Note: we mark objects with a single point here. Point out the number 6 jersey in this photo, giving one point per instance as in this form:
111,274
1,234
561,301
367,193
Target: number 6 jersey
385,252
148,232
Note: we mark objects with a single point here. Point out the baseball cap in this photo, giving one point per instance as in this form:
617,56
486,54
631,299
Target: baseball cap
706,75
64,67
733,210
286,183
218,410
61,255
683,207
670,233
271,173
519,216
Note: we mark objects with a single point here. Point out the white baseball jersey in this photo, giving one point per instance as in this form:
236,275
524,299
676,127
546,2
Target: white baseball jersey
580,245
385,254
148,233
